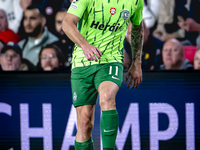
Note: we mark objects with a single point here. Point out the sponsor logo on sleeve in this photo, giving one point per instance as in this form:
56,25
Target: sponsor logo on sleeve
74,6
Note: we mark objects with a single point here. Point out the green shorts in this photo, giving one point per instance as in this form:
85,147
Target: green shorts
85,81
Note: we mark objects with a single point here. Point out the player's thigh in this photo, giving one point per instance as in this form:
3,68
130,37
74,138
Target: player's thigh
108,81
83,89
109,72
107,92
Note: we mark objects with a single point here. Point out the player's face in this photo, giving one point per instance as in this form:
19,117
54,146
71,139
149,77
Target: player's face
3,22
197,60
32,20
10,60
49,59
172,54
58,21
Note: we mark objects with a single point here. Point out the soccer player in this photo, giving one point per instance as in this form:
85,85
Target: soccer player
97,62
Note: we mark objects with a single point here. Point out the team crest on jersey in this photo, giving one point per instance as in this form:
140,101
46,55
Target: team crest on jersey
74,1
125,14
112,11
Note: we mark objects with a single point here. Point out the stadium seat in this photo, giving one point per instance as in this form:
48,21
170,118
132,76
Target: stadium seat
189,52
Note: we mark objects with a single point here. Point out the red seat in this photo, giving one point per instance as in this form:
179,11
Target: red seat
189,52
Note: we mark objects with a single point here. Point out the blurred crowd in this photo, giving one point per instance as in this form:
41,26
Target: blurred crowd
31,36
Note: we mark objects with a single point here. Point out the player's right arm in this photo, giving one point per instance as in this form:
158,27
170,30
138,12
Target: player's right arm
69,26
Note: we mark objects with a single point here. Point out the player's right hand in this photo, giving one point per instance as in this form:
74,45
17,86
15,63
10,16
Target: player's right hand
90,52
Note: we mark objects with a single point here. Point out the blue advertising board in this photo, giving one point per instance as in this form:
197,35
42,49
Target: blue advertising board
36,112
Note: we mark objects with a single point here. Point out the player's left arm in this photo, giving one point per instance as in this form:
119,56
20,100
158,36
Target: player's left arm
135,71
137,37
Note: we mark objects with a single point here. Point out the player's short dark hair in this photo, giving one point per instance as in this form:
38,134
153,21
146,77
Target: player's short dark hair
41,10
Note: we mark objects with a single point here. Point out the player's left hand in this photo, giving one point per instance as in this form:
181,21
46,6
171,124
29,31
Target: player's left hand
135,72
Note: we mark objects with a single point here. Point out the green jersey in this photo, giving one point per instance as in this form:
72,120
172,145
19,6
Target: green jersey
103,23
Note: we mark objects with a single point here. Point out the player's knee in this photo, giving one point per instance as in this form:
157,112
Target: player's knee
107,100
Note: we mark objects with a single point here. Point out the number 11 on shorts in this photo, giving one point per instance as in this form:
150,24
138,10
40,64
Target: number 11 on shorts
116,71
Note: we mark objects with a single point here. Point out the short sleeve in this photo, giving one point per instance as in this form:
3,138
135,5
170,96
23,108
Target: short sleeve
78,7
137,17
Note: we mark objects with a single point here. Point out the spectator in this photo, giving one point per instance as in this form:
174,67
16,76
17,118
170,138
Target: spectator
51,58
6,34
59,19
174,57
64,43
11,58
2,44
14,13
190,25
152,51
25,3
150,12
197,59
51,7
167,27
190,21
37,33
